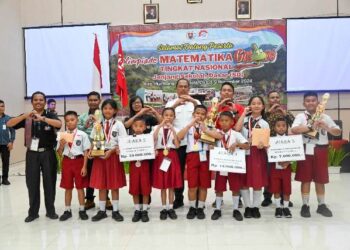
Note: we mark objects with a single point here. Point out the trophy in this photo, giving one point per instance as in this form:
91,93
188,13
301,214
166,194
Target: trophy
98,140
313,134
209,122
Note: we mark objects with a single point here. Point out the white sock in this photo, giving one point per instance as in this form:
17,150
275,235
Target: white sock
68,208
171,206
285,203
137,207
82,208
246,197
102,205
115,204
192,203
235,200
201,204
305,198
278,202
257,198
320,199
218,202
164,207
144,207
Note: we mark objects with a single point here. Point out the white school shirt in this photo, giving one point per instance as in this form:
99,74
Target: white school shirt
301,119
235,137
190,142
80,144
159,142
245,128
116,130
183,116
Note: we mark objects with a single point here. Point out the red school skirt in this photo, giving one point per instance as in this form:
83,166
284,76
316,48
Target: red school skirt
170,179
256,176
107,174
140,178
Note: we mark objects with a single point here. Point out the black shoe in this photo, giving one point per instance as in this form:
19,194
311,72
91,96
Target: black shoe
5,182
99,216
200,214
324,210
137,216
163,214
248,212
83,215
286,212
305,211
172,214
216,215
266,202
278,212
177,204
290,204
191,213
53,216
240,203
256,213
117,216
237,215
144,216
66,215
30,218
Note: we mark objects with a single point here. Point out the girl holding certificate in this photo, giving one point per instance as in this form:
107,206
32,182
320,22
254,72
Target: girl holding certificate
107,171
256,160
166,169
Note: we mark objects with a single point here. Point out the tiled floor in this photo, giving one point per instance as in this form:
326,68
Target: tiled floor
265,233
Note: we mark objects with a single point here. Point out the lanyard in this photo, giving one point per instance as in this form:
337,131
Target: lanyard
251,125
108,135
225,141
196,134
70,145
166,140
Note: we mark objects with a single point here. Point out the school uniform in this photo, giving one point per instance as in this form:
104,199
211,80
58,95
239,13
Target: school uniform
234,179
73,161
239,111
140,178
172,178
109,173
315,166
256,159
198,174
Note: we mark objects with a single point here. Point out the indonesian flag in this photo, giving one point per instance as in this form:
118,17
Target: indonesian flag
121,87
96,71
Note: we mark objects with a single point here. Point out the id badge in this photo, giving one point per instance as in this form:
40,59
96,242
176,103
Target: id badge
202,155
34,146
278,166
4,127
223,173
247,152
310,149
165,164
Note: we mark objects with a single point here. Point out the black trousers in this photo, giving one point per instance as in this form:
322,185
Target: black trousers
5,158
181,151
37,162
89,191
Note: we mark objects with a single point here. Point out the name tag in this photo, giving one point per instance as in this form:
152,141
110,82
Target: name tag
202,155
34,146
310,149
4,127
165,164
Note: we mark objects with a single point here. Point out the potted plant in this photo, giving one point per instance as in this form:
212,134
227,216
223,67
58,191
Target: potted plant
335,158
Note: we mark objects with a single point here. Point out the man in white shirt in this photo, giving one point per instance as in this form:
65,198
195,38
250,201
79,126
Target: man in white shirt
184,105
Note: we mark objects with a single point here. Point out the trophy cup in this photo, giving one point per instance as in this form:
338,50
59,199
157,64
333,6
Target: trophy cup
313,134
209,122
98,140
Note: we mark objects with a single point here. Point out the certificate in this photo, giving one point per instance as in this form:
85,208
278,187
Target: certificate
68,137
286,148
223,161
260,135
136,148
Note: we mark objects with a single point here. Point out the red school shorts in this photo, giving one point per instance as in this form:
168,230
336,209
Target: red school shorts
314,167
280,180
140,179
234,181
71,174
198,174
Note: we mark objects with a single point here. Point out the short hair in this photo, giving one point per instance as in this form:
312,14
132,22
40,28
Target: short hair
49,101
226,113
182,79
310,93
200,106
168,108
94,93
140,119
38,93
2,102
111,102
280,119
70,112
228,84
272,91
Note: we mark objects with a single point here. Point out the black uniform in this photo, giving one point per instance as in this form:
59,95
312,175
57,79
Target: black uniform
42,160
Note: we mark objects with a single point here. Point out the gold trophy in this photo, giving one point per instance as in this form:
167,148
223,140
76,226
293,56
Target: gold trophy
98,140
209,122
313,134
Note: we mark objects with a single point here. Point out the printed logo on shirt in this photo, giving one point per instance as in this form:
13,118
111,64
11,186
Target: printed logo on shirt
257,126
47,128
78,142
114,133
246,125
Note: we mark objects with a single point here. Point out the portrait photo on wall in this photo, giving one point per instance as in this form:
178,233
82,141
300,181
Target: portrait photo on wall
150,13
194,1
243,9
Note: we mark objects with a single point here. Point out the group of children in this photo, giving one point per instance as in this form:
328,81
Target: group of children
108,172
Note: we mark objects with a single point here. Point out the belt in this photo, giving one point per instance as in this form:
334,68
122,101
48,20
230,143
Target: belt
74,157
40,150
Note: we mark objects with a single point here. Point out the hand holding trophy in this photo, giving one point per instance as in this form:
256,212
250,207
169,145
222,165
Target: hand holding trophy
98,138
210,122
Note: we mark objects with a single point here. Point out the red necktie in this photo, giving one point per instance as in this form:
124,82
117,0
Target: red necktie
107,128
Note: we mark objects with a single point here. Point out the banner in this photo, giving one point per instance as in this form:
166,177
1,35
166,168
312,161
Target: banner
223,161
286,148
136,148
249,54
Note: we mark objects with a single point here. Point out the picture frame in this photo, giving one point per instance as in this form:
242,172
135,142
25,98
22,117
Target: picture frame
150,13
243,9
194,1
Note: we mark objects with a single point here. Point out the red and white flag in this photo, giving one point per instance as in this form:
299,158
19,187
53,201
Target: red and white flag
96,71
121,87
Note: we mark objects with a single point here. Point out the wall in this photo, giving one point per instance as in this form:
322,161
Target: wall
15,14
